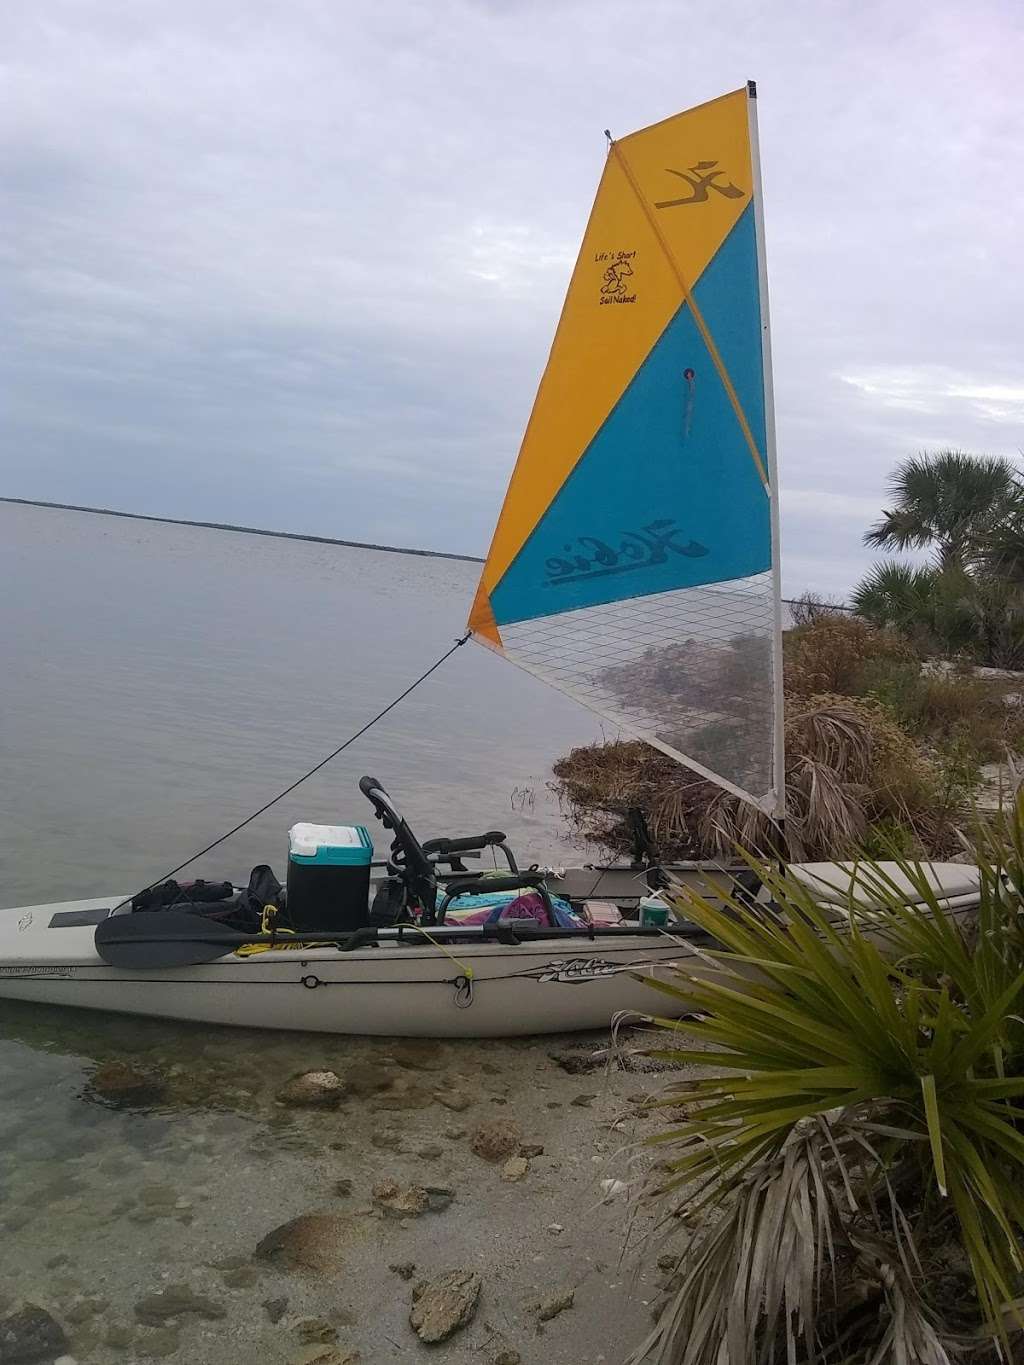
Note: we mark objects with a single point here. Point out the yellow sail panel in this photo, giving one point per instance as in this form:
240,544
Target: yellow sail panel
669,197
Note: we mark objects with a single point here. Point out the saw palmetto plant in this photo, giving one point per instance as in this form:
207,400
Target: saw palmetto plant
849,1179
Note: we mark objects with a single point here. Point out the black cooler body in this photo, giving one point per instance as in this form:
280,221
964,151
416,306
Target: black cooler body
328,878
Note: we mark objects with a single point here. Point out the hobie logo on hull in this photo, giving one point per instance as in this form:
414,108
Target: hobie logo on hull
589,557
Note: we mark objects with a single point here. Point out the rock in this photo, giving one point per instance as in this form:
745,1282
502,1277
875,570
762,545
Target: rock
515,1168
365,1079
275,1309
325,1355
30,1334
579,1063
119,1335
175,1301
162,1342
583,1101
343,1188
229,1263
55,1262
313,1241
408,1096
416,1055
440,1307
555,1229
388,1139
454,1134
242,1277
158,1196
313,1090
316,1330
456,1100
507,1357
119,1084
554,1304
496,1139
531,1149
400,1201
84,1309
668,1261
439,1197
405,1269
430,1152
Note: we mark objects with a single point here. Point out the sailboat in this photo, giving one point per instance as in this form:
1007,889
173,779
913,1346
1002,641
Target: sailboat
634,566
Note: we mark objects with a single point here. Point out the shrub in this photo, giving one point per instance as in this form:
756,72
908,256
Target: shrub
832,653
855,1131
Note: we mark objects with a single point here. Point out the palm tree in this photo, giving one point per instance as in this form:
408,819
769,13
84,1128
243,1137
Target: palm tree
949,502
931,606
1002,553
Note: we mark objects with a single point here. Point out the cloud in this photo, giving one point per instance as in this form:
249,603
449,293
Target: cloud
938,392
300,265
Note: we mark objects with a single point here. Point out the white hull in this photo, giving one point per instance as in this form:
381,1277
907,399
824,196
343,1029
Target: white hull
550,986
408,988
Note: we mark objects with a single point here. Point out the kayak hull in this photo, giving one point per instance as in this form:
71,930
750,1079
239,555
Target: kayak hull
465,989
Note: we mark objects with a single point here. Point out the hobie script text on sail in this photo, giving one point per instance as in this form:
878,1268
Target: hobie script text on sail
632,562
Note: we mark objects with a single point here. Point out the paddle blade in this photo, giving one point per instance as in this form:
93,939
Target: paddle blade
163,938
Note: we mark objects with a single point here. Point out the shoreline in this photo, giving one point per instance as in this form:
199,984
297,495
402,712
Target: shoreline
242,530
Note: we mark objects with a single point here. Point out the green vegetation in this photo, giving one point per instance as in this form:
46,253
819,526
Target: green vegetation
846,1168
969,600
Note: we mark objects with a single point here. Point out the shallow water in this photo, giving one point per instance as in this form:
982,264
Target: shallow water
160,682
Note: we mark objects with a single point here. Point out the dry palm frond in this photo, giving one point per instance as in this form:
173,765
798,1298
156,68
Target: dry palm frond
825,812
836,736
726,822
762,1276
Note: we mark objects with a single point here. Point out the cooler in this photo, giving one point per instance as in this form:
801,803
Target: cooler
328,877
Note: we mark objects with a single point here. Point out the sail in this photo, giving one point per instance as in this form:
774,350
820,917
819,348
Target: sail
634,563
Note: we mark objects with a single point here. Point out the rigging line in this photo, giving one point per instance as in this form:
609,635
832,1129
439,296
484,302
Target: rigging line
698,318
299,781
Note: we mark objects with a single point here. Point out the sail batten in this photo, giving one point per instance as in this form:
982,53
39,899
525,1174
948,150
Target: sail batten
635,561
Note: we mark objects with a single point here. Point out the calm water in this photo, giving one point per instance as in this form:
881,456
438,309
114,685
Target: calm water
161,682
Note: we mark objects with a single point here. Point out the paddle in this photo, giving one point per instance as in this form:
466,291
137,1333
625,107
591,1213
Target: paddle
171,938
168,938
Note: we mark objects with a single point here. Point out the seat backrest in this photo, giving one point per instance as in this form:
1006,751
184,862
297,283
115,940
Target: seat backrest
407,853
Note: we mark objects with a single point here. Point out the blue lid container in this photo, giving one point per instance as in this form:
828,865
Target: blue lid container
330,845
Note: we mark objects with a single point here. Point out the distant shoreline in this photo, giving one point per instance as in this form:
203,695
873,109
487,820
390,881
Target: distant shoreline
245,530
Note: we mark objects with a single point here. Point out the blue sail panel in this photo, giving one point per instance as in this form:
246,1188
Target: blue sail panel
667,494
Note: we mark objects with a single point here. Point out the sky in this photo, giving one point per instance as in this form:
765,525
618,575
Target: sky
298,264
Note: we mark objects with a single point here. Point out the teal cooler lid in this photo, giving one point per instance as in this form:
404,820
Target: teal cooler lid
330,845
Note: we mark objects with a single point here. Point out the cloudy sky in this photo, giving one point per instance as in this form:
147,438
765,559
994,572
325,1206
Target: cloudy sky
297,264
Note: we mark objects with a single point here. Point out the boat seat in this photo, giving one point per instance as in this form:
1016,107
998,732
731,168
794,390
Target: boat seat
868,885
419,866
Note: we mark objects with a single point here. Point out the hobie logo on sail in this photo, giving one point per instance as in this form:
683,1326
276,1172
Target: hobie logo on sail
589,557
702,180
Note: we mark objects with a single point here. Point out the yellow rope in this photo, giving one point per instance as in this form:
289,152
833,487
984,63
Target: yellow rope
464,967
266,926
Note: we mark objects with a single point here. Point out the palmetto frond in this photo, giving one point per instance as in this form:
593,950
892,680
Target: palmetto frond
827,1063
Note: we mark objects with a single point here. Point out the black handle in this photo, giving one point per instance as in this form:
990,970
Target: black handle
474,885
468,845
